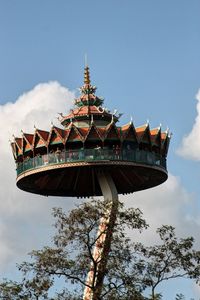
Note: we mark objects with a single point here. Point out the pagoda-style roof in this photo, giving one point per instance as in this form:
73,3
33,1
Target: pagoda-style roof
88,96
88,106
127,133
90,139
89,112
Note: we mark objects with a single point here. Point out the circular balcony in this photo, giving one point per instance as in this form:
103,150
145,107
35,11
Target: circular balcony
73,172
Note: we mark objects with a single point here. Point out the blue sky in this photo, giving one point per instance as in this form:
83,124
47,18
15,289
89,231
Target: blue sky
144,57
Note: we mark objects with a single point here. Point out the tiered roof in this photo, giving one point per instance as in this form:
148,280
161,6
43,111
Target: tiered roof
89,121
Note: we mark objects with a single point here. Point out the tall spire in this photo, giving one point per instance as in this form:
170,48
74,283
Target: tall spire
86,72
88,96
87,76
87,88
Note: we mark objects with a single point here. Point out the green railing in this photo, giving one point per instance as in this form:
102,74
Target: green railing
88,155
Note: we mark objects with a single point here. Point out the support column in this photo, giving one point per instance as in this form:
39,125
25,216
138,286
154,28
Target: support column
103,244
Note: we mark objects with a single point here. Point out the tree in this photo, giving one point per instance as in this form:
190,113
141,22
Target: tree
72,253
132,268
173,258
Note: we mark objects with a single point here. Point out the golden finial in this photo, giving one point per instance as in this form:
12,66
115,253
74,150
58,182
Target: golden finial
87,76
86,72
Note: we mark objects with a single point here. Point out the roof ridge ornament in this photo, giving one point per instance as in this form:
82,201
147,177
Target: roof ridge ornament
88,97
87,88
87,75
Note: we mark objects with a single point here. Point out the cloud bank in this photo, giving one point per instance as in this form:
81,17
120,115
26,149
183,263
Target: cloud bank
190,147
25,218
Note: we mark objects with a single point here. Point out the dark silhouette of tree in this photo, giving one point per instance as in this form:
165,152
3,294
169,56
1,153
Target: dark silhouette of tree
132,268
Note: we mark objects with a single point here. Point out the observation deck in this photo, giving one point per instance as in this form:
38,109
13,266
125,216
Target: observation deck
66,173
66,161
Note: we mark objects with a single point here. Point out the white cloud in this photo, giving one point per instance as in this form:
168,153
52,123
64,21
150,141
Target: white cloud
26,218
167,204
190,147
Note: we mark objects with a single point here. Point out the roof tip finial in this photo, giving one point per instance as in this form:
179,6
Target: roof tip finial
87,72
87,76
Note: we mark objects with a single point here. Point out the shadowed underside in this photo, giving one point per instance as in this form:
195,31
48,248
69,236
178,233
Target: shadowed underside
80,179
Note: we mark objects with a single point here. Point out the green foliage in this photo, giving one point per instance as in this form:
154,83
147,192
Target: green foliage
173,258
27,290
11,290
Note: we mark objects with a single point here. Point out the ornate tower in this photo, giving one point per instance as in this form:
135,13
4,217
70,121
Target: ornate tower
90,156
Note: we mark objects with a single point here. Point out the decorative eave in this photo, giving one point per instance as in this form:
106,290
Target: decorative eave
27,142
165,140
156,136
18,142
60,132
126,129
79,136
60,136
14,150
28,137
87,113
140,135
109,127
89,133
43,136
141,130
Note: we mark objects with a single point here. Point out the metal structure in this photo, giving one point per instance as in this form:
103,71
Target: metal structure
91,156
